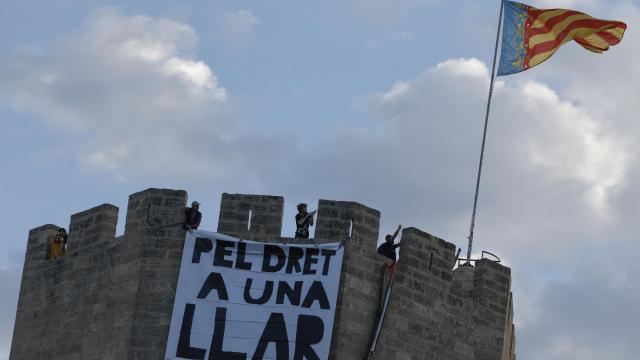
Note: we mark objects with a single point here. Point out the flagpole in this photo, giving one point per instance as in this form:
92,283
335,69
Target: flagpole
484,135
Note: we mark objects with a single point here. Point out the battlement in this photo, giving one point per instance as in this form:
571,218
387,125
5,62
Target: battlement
434,305
111,297
108,295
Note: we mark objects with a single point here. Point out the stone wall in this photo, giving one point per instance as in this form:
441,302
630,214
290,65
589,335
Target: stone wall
108,298
439,313
112,297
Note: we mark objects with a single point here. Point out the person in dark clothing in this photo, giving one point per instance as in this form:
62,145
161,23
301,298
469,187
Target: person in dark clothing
192,216
303,221
388,248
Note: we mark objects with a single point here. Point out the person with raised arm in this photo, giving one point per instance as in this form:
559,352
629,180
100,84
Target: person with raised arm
388,247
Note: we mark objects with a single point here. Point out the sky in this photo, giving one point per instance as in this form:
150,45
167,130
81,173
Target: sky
380,102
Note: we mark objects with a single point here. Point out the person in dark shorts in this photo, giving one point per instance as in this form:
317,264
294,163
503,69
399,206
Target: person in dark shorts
192,216
388,248
304,219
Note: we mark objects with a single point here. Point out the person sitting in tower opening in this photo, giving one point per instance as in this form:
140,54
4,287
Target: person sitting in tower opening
192,216
58,244
388,248
304,219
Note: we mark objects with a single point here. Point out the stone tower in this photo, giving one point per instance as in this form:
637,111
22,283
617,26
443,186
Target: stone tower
112,297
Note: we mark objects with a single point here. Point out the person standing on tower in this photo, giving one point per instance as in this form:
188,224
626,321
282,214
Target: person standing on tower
59,244
192,217
303,221
388,247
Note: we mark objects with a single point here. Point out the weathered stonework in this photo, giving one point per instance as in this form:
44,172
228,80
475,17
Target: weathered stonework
112,297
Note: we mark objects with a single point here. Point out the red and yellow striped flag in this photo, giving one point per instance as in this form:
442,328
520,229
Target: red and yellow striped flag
532,35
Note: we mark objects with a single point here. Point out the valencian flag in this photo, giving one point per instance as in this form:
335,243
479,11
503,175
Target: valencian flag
530,36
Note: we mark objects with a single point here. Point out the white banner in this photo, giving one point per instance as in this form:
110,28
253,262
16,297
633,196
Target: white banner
245,300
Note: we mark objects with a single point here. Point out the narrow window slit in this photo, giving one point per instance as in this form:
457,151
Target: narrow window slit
350,228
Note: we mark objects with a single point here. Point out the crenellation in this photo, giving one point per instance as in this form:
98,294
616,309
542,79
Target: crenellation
361,275
38,244
155,228
337,218
489,284
458,311
112,297
154,209
251,216
92,228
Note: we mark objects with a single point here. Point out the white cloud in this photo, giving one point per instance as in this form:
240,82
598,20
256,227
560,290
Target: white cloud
573,147
469,67
198,74
397,90
534,136
129,90
144,37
